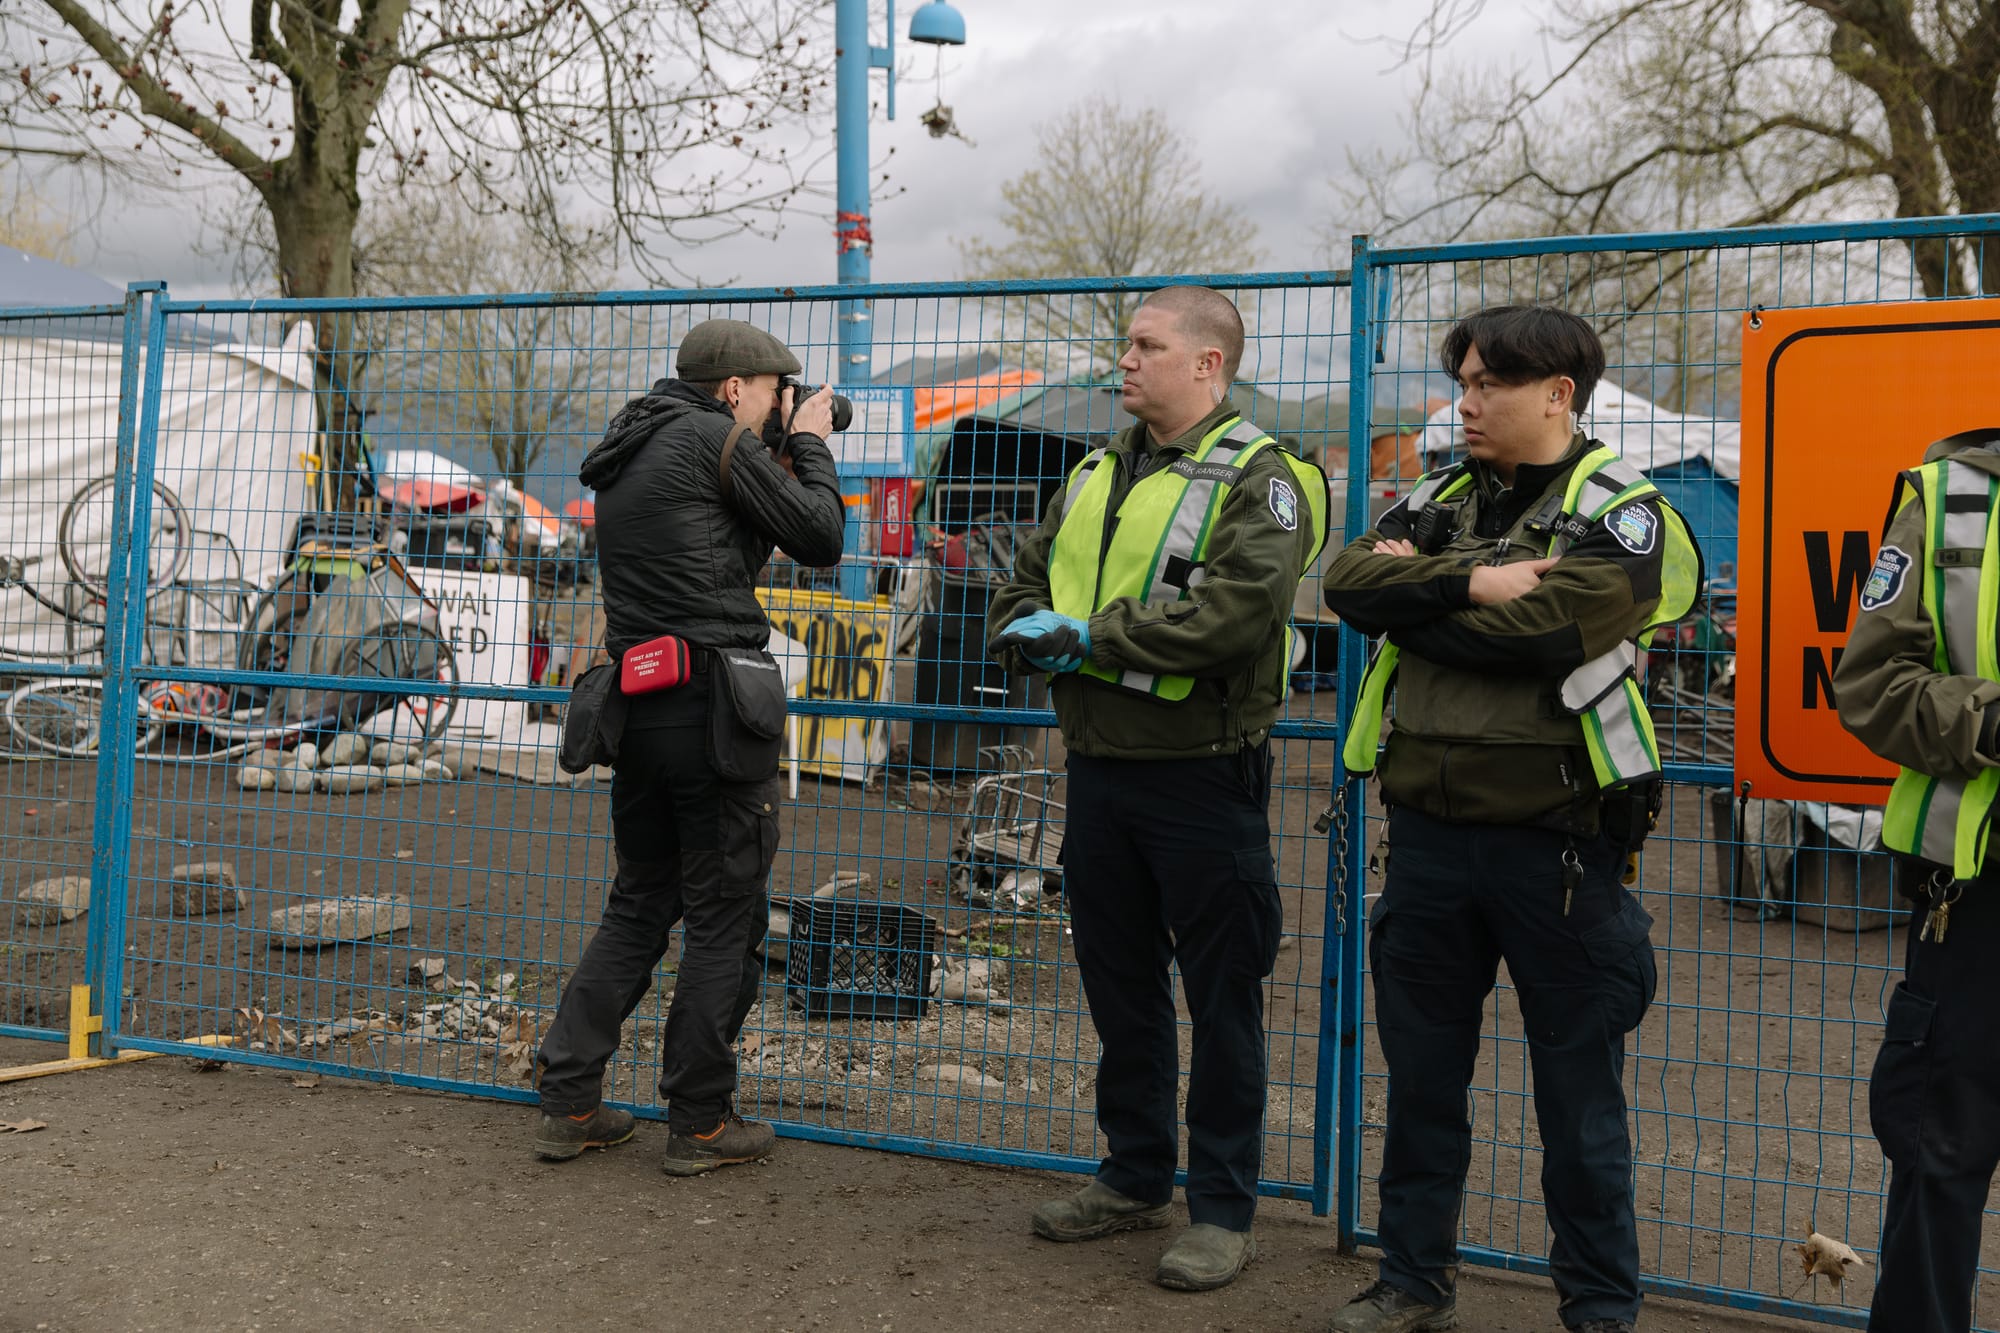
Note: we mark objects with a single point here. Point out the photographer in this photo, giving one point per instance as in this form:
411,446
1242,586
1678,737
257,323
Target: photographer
696,482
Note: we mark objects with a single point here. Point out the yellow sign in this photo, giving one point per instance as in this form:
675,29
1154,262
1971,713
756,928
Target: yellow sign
849,650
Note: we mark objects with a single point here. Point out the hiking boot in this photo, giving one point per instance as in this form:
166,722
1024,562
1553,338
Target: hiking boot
1205,1257
562,1137
1388,1309
1606,1326
730,1142
1097,1210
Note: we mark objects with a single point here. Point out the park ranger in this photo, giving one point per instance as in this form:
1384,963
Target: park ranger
1157,591
1513,592
1919,685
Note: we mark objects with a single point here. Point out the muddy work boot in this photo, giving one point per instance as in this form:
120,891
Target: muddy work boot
1097,1210
562,1137
731,1141
1387,1309
1205,1257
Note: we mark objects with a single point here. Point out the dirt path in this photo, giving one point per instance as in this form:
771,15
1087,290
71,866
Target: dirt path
161,1197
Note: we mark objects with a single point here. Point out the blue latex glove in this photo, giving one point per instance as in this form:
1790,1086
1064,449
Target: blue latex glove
1049,641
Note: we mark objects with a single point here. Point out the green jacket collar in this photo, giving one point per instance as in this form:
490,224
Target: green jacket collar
1135,439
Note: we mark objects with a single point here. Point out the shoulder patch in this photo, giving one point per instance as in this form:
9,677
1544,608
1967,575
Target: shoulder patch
1636,527
1885,580
1284,504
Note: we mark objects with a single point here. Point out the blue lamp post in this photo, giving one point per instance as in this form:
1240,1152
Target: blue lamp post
935,23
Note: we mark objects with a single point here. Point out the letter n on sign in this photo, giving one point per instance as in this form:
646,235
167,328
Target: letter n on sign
1836,401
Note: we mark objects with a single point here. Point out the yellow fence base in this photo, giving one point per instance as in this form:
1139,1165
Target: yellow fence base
83,1025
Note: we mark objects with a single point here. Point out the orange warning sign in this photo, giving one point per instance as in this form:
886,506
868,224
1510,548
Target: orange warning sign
1836,401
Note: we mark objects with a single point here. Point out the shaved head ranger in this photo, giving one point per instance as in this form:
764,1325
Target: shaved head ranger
1208,318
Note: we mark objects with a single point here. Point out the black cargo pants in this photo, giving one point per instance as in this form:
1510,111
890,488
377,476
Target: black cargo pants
693,850
1458,899
1169,861
1934,1102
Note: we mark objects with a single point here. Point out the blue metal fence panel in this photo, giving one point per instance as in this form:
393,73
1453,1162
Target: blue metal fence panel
918,850
411,914
1778,940
66,422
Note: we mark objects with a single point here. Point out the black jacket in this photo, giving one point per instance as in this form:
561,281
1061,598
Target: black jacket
675,557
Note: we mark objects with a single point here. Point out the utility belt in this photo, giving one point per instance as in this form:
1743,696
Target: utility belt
746,705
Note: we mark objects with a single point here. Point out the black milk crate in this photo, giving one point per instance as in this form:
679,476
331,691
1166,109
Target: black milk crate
870,961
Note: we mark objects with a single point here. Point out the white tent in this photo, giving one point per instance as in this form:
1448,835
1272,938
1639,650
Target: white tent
234,420
1645,434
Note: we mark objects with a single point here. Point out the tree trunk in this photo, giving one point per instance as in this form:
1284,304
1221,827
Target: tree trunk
315,230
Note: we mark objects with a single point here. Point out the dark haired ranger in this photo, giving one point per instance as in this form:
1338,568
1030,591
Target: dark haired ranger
679,548
1157,591
1919,684
1512,593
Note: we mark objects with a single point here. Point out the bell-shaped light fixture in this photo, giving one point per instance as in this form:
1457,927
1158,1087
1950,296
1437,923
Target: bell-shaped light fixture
938,24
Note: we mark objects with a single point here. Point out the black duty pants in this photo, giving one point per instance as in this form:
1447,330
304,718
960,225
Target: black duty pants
1170,861
692,849
1458,899
1934,1102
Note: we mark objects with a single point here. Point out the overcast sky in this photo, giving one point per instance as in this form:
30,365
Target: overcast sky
1272,94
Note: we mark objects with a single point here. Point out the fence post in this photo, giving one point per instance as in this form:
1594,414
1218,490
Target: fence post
124,624
1345,902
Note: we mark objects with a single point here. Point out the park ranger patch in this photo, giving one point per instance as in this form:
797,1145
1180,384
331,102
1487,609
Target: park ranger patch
1885,580
1636,527
1284,504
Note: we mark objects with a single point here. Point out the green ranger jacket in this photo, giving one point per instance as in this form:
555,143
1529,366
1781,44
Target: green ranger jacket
1228,633
1935,719
1480,734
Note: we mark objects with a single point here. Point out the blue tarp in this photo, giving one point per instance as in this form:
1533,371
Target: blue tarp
1709,503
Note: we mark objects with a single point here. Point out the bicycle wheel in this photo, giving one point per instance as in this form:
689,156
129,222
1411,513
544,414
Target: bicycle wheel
66,717
406,652
83,536
273,625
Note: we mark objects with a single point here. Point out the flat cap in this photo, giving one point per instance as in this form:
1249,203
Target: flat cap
715,349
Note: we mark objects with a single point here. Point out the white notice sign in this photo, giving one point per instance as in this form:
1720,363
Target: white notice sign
484,617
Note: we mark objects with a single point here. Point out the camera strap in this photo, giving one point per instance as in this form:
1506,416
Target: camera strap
736,433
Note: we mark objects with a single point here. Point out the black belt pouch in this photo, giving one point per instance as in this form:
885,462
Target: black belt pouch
746,714
595,720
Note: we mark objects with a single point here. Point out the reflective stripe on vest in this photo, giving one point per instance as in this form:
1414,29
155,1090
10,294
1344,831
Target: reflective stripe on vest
1603,693
1156,552
1947,821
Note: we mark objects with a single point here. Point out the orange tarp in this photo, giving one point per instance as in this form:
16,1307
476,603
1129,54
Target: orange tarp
943,403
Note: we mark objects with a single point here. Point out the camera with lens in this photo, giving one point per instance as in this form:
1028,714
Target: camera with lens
777,431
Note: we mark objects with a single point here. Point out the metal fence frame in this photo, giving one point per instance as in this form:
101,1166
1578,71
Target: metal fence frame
1337,1181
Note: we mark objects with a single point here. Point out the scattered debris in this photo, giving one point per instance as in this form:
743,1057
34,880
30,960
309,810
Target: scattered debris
324,921
346,749
305,1080
203,889
1824,1257
48,902
264,1032
344,778
844,882
22,1126
386,754
958,1078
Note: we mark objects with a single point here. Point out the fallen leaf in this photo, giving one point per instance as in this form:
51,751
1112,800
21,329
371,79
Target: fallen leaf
21,1126
1824,1257
305,1081
262,1029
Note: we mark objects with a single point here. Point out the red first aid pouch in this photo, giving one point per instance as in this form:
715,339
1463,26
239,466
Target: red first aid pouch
656,664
